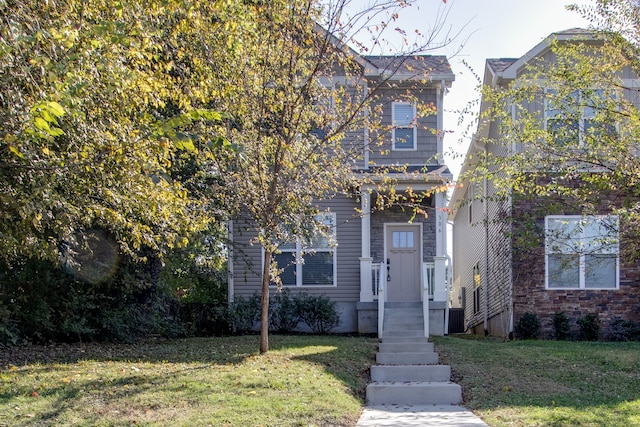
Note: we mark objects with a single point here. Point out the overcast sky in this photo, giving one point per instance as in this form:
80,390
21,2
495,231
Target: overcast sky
489,29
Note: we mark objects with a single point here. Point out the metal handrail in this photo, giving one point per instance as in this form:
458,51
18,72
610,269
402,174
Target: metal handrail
427,293
381,298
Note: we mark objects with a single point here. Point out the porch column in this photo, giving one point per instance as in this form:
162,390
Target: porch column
441,224
440,260
440,278
366,293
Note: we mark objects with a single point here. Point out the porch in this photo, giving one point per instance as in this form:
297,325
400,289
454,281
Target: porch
403,276
434,311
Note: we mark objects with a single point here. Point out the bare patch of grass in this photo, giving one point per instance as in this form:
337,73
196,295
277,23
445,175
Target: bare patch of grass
547,383
303,381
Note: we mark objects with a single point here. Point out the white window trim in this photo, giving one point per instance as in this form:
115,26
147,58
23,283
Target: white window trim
299,266
582,262
412,126
584,116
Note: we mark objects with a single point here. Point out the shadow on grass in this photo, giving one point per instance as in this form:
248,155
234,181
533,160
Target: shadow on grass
340,357
116,382
216,350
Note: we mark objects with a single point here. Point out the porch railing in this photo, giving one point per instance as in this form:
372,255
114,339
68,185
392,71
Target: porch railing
378,284
379,281
427,293
428,277
376,275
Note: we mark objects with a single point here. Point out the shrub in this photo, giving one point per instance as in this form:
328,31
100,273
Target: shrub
243,313
561,326
283,312
589,327
623,330
318,312
528,326
204,319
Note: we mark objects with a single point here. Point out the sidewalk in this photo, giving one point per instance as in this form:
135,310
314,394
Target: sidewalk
418,415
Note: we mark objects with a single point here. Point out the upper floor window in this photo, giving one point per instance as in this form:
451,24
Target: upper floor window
581,252
573,118
404,126
311,263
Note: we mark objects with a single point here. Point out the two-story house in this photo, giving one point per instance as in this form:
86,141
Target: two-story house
376,245
556,246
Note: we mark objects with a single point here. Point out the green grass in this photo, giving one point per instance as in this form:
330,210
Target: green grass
547,383
303,381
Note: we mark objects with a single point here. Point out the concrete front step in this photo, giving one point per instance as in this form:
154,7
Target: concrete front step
413,393
412,373
415,334
396,339
407,358
402,304
405,312
400,324
407,346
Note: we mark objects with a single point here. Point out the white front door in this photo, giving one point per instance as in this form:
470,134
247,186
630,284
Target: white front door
403,253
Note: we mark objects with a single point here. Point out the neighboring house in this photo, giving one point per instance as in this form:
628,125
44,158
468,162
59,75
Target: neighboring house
370,245
495,277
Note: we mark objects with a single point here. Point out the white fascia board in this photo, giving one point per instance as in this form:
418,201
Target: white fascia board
436,79
511,72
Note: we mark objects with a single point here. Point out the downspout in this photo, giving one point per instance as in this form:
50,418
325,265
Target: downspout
448,287
365,143
485,314
440,124
486,251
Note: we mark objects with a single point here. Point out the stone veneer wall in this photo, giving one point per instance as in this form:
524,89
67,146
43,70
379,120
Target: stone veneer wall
530,295
398,215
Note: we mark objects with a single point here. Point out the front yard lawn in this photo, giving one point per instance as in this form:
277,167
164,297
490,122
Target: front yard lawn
303,381
546,383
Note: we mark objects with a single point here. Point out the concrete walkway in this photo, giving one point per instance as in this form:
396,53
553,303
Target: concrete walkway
408,387
418,415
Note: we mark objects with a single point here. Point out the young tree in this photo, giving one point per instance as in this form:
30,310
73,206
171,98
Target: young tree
290,118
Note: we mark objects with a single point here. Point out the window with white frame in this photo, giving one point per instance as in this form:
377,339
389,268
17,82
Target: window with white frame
312,263
404,126
581,252
572,118
323,112
477,286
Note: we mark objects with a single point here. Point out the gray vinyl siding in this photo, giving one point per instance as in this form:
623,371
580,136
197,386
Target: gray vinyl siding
248,258
381,152
469,250
482,239
354,137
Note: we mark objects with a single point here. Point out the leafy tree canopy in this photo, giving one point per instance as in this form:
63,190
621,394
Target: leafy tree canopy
95,98
568,126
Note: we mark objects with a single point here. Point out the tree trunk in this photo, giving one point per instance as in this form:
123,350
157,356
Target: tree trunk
264,318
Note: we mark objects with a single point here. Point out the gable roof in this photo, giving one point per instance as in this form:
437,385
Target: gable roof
413,67
498,70
573,34
396,67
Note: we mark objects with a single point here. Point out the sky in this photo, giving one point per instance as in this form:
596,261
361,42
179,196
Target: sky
487,29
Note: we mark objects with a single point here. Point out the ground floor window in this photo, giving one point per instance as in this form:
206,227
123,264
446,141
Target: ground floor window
477,282
581,252
311,263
